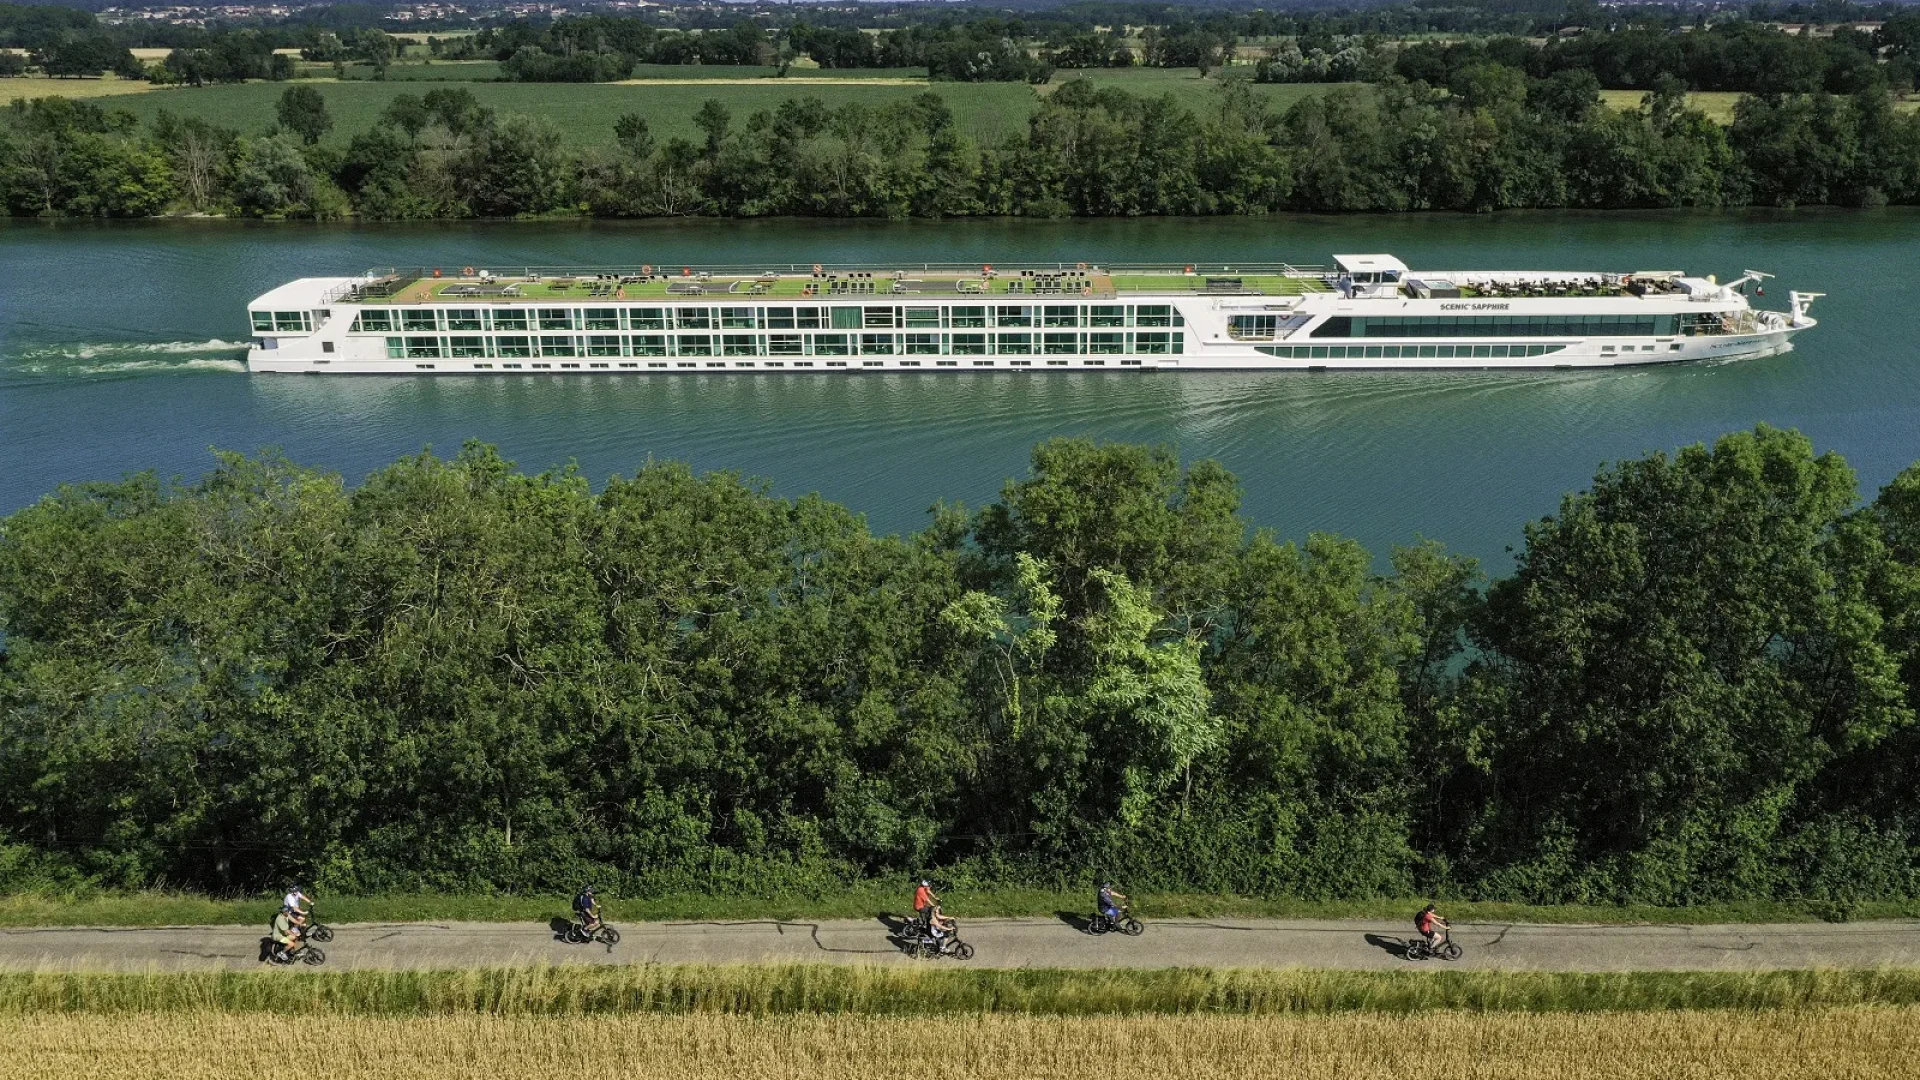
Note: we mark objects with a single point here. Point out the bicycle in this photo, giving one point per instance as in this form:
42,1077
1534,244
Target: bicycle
318,931
307,954
924,946
1122,923
577,934
1420,948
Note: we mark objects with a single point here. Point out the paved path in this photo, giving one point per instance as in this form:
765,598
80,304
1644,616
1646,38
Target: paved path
1000,943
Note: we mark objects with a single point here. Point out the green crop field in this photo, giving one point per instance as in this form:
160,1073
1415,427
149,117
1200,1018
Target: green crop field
585,113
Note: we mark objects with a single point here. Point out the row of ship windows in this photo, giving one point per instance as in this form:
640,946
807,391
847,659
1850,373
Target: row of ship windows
548,345
404,320
758,364
1405,352
1414,326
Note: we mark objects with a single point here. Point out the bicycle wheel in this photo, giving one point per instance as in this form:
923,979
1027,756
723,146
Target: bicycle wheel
1130,926
1450,951
574,934
609,935
320,933
962,951
312,957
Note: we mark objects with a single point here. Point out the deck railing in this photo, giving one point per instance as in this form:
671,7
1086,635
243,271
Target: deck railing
642,269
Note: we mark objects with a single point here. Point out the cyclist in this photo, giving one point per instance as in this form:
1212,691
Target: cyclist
288,937
925,900
1429,923
938,925
586,908
1107,901
297,902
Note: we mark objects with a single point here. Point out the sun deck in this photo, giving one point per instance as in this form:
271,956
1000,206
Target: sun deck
534,284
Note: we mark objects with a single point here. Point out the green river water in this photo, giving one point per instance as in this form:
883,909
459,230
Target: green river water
120,351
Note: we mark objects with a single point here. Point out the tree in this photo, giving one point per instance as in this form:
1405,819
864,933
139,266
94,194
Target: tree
304,112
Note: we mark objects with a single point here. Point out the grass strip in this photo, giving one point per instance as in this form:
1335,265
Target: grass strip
864,901
801,989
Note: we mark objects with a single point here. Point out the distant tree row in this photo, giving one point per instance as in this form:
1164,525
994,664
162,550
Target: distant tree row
1494,140
1698,683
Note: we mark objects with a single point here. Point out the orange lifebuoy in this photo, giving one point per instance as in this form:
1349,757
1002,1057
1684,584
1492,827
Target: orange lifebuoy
1189,268
436,271
647,270
817,268
987,269
1079,266
686,271
466,271
1086,291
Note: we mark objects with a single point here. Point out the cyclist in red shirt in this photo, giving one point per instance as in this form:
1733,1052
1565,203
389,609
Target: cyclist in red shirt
924,901
1430,923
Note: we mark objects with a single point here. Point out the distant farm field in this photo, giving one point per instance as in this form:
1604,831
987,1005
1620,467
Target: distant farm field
1791,1045
585,113
1717,104
37,86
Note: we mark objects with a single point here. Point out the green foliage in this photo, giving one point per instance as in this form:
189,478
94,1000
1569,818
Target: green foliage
1696,687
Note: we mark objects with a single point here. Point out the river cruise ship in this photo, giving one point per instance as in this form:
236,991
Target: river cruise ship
1365,311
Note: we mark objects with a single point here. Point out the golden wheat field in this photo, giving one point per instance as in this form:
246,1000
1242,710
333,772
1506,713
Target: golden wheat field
1829,1044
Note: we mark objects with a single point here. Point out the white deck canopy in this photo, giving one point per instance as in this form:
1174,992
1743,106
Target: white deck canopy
1370,268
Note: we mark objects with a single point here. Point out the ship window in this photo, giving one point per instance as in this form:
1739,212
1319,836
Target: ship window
1337,326
463,319
418,320
846,318
263,321
740,345
807,318
646,318
923,316
878,318
509,319
648,344
512,346
423,346
467,346
1153,315
396,348
1253,327
694,344
1152,343
1106,343
968,344
368,322
831,344
876,344
1013,316
603,345
603,318
737,318
969,316
692,319
779,318
1057,315
922,344
784,344
1063,343
558,345
556,318
291,321
1106,315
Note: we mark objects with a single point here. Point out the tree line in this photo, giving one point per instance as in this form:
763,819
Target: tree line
1497,140
1696,684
